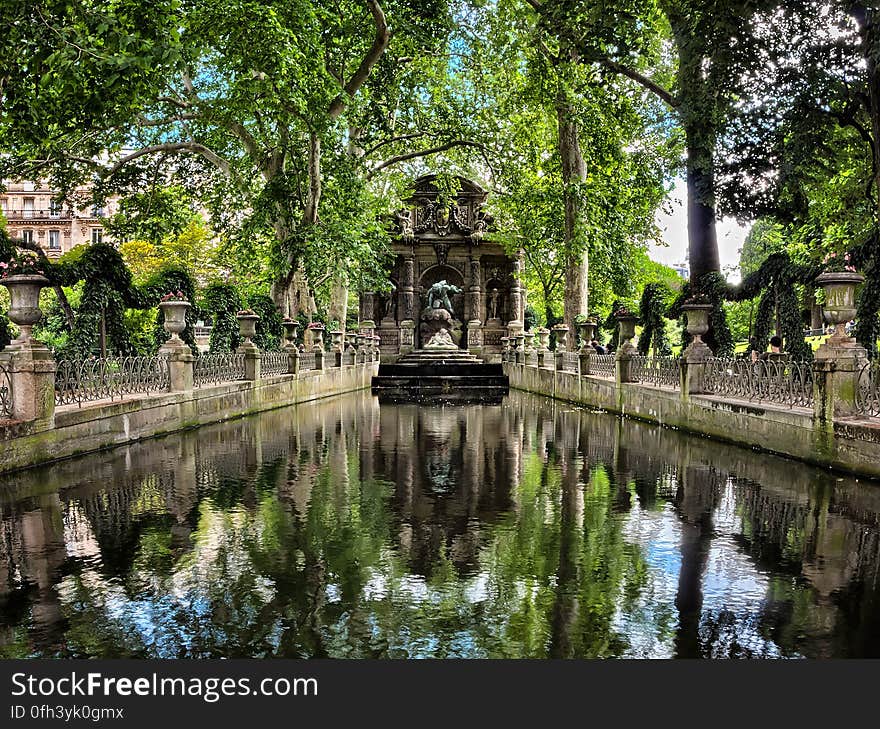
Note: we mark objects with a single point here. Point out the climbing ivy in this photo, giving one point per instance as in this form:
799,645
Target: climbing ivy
269,328
652,309
221,303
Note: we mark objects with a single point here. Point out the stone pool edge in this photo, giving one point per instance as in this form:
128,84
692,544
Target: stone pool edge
99,426
852,446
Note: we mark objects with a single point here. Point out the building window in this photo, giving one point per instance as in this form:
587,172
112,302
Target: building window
27,236
54,240
27,207
96,235
54,208
97,211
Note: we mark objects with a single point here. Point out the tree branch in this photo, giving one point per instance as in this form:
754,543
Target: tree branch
396,159
200,149
380,43
640,79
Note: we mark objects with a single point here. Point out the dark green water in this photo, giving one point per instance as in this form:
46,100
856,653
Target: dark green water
347,529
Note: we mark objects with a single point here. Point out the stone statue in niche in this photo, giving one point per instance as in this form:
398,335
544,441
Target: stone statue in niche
438,295
493,306
441,340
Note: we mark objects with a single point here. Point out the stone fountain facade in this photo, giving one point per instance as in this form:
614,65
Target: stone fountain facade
444,252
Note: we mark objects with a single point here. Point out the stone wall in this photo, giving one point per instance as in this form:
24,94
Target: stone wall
852,445
98,426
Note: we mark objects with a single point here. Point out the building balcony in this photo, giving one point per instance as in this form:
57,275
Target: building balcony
29,214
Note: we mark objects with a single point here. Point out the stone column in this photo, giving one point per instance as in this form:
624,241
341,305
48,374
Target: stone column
180,363
367,305
697,354
408,308
475,304
516,298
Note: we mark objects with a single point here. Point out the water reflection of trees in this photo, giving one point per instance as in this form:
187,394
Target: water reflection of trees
345,529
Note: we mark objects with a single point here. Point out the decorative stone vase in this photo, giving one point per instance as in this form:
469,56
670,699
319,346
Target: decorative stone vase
247,327
175,320
24,309
543,338
350,339
697,319
840,299
529,341
317,339
290,330
560,334
587,331
336,340
520,346
697,325
361,340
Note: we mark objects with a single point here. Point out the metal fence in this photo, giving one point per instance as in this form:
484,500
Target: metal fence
570,362
212,369
306,361
602,365
868,392
85,380
274,363
783,382
657,371
5,391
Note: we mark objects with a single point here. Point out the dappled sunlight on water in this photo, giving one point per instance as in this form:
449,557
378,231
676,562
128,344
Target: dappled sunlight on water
346,529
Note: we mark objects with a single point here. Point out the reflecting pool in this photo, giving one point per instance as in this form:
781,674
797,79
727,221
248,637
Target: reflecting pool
348,529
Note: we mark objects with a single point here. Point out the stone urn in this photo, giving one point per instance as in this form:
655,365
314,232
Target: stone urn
560,334
361,340
587,331
697,313
840,299
627,330
529,341
247,327
316,334
174,312
543,338
519,343
505,347
24,309
351,340
336,340
290,330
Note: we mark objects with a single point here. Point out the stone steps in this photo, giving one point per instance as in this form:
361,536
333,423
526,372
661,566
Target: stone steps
440,376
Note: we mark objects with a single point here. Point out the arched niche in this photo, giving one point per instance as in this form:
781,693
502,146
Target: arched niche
450,274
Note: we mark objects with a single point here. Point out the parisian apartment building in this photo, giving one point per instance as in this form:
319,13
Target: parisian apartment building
34,213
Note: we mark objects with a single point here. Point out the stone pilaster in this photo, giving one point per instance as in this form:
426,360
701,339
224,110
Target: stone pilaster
407,302
367,306
837,366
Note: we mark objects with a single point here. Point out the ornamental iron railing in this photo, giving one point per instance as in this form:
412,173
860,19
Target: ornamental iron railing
868,391
602,365
110,378
306,361
784,382
570,362
212,369
274,363
5,392
657,371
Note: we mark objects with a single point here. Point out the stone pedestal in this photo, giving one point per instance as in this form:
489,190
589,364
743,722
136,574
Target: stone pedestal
697,353
32,372
407,336
180,364
475,337
837,367
252,358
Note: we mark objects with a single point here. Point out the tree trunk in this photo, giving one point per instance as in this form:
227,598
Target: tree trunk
695,113
869,32
339,300
574,173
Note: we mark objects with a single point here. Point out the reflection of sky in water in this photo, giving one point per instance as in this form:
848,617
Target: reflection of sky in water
426,558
